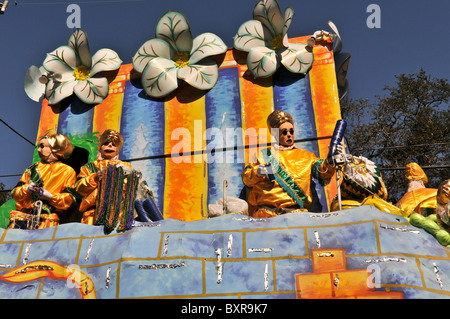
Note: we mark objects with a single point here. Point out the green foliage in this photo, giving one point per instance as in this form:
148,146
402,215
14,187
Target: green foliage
4,196
5,209
410,123
88,142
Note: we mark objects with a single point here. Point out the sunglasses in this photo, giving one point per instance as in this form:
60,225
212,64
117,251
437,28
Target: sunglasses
285,131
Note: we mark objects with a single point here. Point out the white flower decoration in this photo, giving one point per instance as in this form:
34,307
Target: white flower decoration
174,55
265,38
79,71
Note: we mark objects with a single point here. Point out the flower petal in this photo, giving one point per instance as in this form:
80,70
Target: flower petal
288,16
269,13
298,58
149,50
92,90
203,77
159,77
62,60
204,45
105,60
78,41
55,92
262,62
252,34
174,28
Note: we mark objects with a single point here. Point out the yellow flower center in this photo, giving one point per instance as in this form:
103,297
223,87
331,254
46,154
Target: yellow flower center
181,59
81,73
277,42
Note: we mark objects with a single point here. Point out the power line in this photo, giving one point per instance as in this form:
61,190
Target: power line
403,168
17,132
399,146
235,148
217,150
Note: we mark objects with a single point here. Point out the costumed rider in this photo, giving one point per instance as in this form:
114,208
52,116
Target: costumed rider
110,188
280,177
418,198
45,189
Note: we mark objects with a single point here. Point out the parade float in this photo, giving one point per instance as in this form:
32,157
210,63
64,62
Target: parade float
192,113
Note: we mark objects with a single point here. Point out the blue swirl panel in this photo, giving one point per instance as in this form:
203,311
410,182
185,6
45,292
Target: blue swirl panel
76,119
224,130
142,128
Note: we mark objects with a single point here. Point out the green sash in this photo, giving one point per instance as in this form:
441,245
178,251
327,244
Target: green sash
285,180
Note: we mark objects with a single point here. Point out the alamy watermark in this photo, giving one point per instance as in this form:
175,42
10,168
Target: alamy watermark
74,19
226,145
374,19
374,279
74,278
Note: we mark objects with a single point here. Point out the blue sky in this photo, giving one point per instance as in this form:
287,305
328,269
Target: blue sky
413,35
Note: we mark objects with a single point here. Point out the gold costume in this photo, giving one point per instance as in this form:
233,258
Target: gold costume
422,201
87,187
296,168
57,178
418,199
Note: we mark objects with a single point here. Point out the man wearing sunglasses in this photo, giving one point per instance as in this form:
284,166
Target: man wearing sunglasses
279,180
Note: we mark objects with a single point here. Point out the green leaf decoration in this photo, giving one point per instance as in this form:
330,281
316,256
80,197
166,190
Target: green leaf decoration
88,142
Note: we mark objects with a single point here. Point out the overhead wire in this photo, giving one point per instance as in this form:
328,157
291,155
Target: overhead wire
16,132
403,168
235,148
399,146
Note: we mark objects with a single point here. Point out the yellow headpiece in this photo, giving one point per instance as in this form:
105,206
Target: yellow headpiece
60,145
276,118
111,136
415,173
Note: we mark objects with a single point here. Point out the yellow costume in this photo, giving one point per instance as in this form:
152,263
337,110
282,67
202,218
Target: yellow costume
296,168
280,178
418,198
53,177
86,186
88,179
